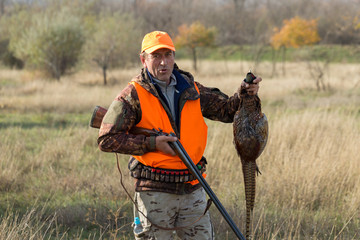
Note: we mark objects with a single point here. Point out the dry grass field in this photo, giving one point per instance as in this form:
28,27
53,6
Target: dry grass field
56,184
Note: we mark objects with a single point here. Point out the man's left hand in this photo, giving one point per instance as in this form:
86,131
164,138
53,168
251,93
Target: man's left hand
252,89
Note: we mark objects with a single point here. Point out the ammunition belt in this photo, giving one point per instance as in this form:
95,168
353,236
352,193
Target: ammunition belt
139,170
146,185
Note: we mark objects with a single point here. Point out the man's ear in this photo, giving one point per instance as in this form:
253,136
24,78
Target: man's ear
142,59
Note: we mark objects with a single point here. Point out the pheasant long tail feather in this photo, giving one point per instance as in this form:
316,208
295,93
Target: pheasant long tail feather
249,171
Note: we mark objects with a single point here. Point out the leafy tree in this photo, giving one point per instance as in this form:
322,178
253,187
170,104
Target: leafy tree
296,32
194,36
53,42
112,42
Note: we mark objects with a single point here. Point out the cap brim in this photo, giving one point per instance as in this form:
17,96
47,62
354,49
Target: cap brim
154,48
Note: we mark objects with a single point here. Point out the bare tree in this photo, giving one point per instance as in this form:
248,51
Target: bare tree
317,71
112,43
2,7
318,66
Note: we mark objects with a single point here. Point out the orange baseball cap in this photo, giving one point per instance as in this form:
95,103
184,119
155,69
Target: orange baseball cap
156,40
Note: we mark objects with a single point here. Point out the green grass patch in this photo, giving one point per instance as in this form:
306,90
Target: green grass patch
331,53
51,162
43,120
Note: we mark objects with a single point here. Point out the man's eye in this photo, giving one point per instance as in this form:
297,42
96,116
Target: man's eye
156,56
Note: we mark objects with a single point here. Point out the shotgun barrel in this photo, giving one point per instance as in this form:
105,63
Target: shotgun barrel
180,151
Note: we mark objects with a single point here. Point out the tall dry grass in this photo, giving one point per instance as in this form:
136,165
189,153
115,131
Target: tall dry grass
309,187
28,226
310,176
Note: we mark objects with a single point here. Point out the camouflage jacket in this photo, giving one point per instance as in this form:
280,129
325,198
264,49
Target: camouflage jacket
125,112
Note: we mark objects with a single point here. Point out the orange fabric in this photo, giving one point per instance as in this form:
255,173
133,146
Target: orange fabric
156,40
193,130
193,182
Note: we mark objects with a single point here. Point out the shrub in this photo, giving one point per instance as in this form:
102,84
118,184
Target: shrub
53,43
7,57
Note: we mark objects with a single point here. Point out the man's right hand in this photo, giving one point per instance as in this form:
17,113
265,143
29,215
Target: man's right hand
162,144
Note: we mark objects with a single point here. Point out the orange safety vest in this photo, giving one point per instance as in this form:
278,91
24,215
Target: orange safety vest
193,129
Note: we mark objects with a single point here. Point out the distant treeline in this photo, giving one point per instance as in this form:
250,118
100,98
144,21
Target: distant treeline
58,35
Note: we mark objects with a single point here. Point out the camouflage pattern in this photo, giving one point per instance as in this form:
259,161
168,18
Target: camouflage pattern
169,210
125,112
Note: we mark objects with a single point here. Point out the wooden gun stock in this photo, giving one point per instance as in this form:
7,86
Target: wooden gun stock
97,117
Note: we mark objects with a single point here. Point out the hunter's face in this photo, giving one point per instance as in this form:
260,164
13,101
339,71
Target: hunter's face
159,63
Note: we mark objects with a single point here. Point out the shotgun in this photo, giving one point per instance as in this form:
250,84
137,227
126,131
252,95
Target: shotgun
95,122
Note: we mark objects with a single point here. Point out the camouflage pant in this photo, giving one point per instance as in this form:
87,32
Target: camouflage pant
170,210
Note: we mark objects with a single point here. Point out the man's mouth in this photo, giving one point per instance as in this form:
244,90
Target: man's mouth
163,70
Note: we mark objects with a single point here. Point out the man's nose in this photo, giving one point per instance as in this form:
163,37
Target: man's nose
163,60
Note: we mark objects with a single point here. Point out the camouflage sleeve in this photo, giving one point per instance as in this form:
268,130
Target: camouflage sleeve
216,105
123,114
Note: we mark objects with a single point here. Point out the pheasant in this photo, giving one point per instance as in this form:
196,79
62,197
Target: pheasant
250,129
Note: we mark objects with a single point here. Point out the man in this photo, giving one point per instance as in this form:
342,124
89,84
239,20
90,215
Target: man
167,98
